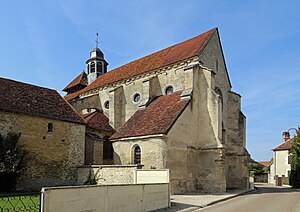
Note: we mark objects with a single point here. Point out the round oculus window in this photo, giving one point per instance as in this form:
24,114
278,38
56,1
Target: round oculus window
106,105
136,97
169,90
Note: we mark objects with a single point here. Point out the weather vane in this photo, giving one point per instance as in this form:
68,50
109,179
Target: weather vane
97,42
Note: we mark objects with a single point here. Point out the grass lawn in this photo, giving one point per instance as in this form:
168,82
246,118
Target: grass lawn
19,202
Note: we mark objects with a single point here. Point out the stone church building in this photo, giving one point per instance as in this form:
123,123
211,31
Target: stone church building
172,109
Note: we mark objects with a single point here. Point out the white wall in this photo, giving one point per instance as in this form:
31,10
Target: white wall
281,163
271,175
138,197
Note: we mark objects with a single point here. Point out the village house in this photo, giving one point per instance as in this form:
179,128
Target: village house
52,133
282,162
173,109
271,177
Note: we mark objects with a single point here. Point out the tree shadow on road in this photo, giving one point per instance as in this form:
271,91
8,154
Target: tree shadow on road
268,188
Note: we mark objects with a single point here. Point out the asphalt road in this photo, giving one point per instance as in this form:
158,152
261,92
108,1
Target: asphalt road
266,199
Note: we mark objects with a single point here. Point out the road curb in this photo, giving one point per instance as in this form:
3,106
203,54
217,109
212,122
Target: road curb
231,197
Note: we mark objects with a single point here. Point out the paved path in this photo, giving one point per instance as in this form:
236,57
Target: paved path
266,199
194,201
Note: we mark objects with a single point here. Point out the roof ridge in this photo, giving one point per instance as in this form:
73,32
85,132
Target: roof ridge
168,56
36,101
91,115
26,83
143,121
166,48
78,114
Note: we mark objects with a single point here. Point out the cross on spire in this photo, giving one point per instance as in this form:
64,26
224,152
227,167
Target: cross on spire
97,41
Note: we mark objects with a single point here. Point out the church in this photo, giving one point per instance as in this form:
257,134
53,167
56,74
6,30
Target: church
173,109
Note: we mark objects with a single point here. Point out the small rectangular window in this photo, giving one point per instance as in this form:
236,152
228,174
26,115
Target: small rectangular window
50,127
289,159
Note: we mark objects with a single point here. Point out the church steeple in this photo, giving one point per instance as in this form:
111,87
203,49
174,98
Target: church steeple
96,64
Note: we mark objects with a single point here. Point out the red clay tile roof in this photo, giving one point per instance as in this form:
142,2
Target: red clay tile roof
157,118
162,58
98,121
34,100
264,163
81,79
285,146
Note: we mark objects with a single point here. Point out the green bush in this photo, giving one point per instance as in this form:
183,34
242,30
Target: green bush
12,161
256,169
294,179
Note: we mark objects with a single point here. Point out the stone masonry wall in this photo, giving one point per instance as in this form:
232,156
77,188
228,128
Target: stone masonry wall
106,174
236,154
153,152
212,58
52,156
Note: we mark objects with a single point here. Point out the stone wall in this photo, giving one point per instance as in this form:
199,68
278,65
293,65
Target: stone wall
238,171
94,148
236,153
153,152
52,156
212,57
106,174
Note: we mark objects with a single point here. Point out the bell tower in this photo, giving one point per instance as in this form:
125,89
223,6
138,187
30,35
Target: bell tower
96,64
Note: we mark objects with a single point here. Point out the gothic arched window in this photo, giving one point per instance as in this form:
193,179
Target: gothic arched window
222,130
137,155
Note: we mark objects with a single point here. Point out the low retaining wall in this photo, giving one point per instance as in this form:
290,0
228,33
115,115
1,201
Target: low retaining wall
122,174
138,197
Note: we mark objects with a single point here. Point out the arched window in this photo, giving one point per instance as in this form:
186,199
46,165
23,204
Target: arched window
99,67
108,151
221,130
92,67
106,104
223,133
219,92
137,155
88,68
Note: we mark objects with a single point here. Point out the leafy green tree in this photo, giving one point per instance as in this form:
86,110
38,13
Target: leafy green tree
294,179
12,160
256,169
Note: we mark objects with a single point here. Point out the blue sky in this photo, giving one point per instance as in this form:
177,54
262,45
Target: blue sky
47,43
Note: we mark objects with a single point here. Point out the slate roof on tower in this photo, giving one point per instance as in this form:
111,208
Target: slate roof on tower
157,118
98,121
168,56
25,98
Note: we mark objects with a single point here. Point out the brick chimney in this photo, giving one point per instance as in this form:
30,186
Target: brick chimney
285,136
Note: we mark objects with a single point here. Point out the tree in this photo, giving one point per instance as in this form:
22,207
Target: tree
12,159
256,169
294,179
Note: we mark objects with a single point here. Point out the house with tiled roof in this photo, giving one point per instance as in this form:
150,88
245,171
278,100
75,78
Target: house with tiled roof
282,163
173,109
50,130
271,171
